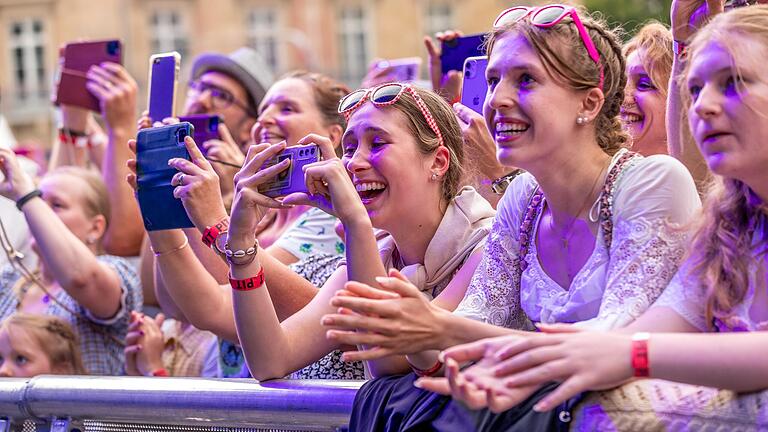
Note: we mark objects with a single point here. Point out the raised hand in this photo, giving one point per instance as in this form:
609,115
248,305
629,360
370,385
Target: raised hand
16,182
447,85
116,91
688,16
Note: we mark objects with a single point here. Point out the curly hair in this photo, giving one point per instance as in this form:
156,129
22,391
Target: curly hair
724,247
577,69
654,41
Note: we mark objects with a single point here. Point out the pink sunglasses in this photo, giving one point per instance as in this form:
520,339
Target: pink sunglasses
548,16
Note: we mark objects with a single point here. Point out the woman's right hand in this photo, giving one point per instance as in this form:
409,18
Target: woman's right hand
249,206
329,187
17,182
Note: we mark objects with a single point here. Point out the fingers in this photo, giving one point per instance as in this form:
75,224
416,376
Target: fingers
263,176
558,328
196,155
435,385
363,290
186,167
524,344
258,154
324,143
527,360
568,389
541,374
399,285
358,322
365,306
468,352
367,355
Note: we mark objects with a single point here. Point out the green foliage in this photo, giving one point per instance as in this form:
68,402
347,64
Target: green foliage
631,14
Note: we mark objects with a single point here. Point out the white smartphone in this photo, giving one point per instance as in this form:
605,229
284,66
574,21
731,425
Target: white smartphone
474,86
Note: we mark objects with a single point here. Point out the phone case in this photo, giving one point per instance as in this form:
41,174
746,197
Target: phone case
154,147
292,178
402,69
77,59
455,51
206,128
163,79
474,87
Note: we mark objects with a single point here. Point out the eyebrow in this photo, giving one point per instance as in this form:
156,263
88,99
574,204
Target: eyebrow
367,130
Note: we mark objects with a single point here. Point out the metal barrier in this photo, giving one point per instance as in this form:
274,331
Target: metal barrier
95,404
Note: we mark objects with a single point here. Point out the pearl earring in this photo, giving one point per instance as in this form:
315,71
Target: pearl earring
580,120
434,176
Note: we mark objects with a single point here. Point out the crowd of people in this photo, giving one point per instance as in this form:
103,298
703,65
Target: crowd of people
481,272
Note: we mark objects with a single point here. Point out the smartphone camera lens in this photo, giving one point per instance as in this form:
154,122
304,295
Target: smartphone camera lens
112,48
470,70
181,135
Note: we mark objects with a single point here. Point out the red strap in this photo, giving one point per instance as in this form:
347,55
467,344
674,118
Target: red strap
160,373
249,284
427,372
640,361
212,232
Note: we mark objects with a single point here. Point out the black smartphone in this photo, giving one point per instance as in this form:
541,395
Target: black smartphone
154,148
455,51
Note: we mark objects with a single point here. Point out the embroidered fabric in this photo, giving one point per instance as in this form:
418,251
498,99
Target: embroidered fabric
656,405
652,198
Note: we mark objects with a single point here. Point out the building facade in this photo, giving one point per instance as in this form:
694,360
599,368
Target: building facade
338,37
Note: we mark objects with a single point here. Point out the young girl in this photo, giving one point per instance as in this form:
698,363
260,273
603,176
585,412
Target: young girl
720,288
33,345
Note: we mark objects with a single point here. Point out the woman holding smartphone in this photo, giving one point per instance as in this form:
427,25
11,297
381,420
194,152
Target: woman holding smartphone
67,215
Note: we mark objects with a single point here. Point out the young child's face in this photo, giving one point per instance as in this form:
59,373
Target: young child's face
20,354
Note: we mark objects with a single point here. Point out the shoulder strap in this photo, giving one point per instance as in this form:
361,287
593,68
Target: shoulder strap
606,197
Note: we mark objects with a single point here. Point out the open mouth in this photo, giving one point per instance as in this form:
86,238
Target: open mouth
271,138
368,191
631,118
506,130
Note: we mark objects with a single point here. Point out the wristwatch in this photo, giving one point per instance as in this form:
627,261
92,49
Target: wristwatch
500,184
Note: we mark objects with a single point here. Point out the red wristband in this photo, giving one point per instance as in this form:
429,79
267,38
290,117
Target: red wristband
76,140
160,373
640,358
249,284
212,232
427,372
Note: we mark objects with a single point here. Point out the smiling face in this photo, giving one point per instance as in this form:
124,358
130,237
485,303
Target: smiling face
388,170
529,114
644,108
289,113
21,355
728,114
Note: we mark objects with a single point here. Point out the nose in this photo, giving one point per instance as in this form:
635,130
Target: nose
267,116
358,161
708,103
500,97
6,370
629,96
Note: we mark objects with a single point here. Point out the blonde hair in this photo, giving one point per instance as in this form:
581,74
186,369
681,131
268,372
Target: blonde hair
55,336
555,47
655,40
95,196
723,250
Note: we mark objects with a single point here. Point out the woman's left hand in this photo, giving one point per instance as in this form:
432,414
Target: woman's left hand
581,360
396,319
328,184
17,182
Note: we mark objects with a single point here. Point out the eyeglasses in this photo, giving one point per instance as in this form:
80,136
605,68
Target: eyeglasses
220,98
388,94
548,16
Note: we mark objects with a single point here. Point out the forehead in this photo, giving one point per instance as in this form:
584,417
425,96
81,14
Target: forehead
369,116
635,63
63,184
512,50
293,89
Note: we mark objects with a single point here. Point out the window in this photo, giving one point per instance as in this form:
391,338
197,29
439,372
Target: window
352,44
263,31
438,17
168,33
27,52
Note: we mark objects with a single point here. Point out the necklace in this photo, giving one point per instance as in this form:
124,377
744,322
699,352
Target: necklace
566,234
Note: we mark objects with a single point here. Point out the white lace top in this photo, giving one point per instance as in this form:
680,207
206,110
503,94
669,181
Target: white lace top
687,298
653,198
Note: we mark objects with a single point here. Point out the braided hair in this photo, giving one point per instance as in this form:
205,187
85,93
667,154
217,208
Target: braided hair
563,53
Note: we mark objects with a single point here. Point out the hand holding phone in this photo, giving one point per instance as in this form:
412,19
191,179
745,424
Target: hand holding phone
163,82
291,179
455,51
75,61
206,127
154,148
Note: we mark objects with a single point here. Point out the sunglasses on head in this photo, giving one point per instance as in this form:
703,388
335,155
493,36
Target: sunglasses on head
388,94
548,16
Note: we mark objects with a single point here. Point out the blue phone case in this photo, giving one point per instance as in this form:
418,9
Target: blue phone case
162,86
455,51
154,147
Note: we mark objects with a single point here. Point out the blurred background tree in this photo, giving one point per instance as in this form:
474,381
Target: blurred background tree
631,14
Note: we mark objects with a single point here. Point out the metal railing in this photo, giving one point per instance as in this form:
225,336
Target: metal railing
83,404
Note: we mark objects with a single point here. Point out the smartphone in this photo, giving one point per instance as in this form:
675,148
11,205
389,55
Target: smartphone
154,147
75,61
163,80
455,51
292,178
206,128
474,87
402,69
